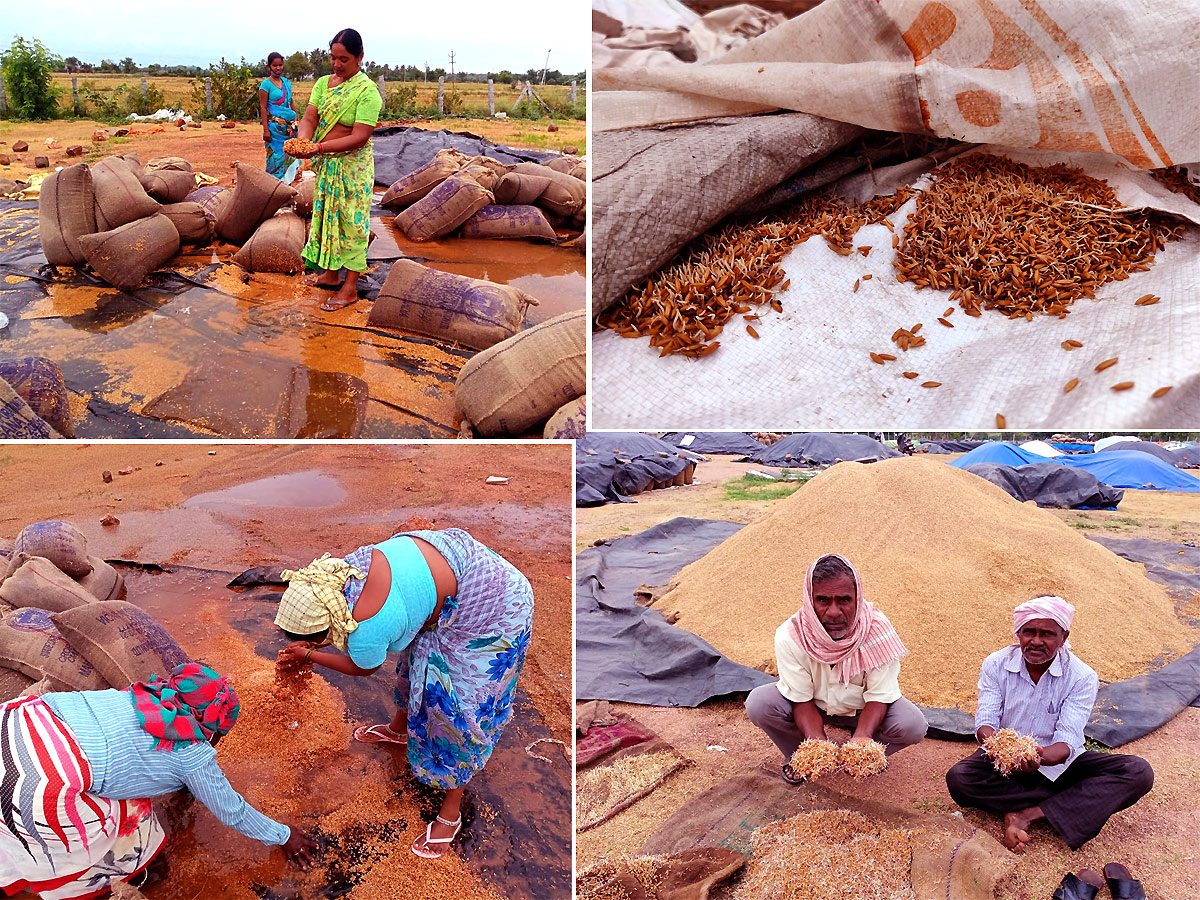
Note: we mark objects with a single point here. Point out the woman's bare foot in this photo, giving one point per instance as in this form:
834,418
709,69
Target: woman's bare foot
326,280
346,295
1016,827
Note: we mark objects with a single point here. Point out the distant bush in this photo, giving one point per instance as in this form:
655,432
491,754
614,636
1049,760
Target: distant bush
401,102
234,90
27,68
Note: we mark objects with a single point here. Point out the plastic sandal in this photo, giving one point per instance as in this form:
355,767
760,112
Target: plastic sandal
371,734
1084,886
1121,884
425,854
790,776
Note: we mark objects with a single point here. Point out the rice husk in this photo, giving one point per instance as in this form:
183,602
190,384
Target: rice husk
814,758
596,881
1008,750
933,544
829,855
858,759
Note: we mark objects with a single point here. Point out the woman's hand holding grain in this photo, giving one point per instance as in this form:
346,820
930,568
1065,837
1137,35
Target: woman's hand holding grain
293,656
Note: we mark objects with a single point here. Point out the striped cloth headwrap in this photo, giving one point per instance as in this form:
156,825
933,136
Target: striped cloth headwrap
1056,609
872,641
192,705
316,600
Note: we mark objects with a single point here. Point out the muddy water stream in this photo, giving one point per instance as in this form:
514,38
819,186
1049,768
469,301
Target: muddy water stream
214,350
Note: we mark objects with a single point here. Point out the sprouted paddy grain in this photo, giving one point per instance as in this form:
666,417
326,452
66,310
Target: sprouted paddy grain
858,759
599,880
603,789
1009,750
814,758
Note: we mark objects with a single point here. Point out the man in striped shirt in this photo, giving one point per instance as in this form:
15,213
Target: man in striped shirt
1039,688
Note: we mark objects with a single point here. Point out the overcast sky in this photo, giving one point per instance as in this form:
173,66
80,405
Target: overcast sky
485,36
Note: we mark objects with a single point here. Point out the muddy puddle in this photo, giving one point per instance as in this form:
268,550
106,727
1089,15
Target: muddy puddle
211,350
311,489
359,801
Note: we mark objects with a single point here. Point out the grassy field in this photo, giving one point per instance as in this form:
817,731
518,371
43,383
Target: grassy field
178,91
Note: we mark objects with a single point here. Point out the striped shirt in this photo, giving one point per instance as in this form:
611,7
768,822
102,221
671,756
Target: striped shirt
125,765
1054,710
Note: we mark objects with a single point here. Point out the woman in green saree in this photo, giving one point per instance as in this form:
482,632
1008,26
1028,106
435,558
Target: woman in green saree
342,113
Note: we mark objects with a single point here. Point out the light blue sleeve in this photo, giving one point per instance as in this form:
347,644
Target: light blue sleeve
210,786
991,695
364,647
1075,711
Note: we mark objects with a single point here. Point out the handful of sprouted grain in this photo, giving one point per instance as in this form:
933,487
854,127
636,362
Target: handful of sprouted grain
814,758
300,148
1009,750
859,759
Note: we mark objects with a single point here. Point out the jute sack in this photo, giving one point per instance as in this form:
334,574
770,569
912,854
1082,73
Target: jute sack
517,189
212,200
47,685
415,185
40,383
6,551
31,644
66,210
579,170
120,197
569,423
125,256
304,197
132,163
38,583
256,197
562,164
275,246
443,209
190,220
60,542
104,582
509,388
176,163
14,684
488,163
521,222
124,642
168,185
483,176
468,311
565,196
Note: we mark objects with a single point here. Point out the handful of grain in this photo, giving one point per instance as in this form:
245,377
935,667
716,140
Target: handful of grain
814,758
859,759
299,147
1009,749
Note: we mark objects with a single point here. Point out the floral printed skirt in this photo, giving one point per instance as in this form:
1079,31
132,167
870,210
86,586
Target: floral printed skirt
341,217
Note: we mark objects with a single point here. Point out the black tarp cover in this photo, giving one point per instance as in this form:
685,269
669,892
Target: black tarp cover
949,446
1167,456
401,149
1050,484
731,442
628,652
1187,457
612,465
821,448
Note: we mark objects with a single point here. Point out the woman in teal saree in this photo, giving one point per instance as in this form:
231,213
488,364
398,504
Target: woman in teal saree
342,113
278,117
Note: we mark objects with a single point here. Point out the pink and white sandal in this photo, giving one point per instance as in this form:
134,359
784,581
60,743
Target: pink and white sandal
379,734
429,839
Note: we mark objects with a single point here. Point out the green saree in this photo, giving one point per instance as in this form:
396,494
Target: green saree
341,217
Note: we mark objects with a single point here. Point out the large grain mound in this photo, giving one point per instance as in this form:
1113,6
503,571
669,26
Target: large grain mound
946,555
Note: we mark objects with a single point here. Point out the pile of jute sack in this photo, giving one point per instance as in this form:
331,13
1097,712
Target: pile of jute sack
65,625
125,220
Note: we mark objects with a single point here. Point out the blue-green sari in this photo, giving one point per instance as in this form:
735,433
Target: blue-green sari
281,122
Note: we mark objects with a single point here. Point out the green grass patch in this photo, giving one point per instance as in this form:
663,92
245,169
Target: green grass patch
750,488
1083,524
1095,746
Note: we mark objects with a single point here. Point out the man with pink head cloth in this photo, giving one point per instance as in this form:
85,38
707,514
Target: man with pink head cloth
1039,688
839,663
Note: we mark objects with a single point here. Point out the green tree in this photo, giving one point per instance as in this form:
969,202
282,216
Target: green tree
72,63
128,66
296,66
319,62
153,69
234,90
27,69
107,65
505,77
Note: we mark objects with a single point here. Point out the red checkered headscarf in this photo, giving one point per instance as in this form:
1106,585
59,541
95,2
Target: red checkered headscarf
192,705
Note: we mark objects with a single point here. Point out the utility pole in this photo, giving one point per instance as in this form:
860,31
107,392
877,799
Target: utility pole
452,70
427,71
546,67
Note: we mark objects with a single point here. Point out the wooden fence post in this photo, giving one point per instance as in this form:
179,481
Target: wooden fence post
3,98
208,94
573,93
75,94
144,105
441,95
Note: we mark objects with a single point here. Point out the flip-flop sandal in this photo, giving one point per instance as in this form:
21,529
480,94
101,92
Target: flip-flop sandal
325,306
374,734
425,854
1121,884
1084,886
790,776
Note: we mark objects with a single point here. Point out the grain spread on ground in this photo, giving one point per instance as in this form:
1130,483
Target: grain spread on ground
1008,750
946,556
604,788
814,758
858,759
596,882
829,855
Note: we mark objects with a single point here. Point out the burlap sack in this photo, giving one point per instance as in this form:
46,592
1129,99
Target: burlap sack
60,542
47,685
14,684
119,195
443,209
174,163
66,210
256,197
569,423
275,245
190,220
466,311
499,168
168,185
124,642
520,189
304,197
564,196
31,644
212,200
483,176
579,170
132,163
415,185
125,256
6,551
40,383
517,222
104,582
509,388
36,582
562,164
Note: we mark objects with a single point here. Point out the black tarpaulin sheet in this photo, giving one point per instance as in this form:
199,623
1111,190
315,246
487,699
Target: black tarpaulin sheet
1167,456
1188,457
611,466
731,442
1050,484
821,448
401,149
627,652
949,446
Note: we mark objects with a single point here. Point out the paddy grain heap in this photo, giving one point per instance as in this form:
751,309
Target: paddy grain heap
946,555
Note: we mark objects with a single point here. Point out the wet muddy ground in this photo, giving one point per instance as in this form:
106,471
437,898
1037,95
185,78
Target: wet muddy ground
204,518
208,349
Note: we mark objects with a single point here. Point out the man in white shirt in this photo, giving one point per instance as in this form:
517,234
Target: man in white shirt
839,663
1037,687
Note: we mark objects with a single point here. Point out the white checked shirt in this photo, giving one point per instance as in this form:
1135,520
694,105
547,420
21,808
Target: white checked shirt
1053,710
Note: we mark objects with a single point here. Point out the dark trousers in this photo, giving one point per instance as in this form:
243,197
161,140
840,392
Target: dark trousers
1077,804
